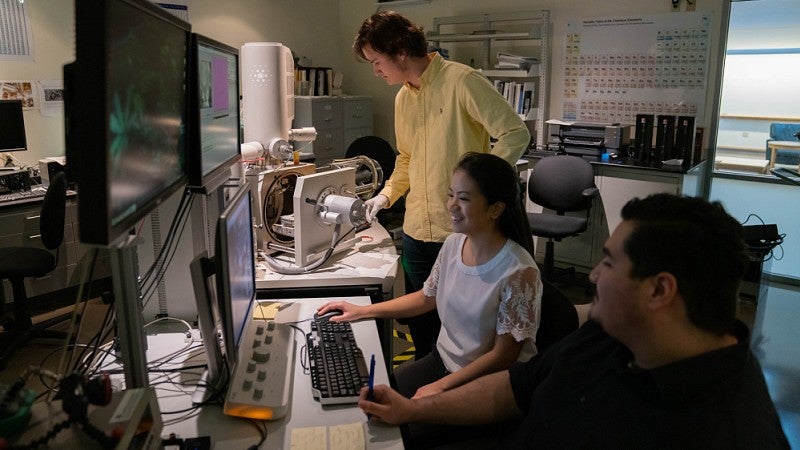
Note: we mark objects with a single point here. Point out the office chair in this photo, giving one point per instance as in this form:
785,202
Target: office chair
558,317
561,183
19,263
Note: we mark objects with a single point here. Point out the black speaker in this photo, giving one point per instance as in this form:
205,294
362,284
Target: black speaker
665,137
643,137
684,140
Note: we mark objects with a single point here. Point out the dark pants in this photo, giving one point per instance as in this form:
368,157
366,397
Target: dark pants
418,259
409,377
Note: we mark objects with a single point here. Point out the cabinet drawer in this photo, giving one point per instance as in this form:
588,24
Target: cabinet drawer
358,113
351,134
13,219
318,112
328,146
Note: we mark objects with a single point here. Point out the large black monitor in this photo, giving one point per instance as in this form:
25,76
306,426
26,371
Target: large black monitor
126,105
234,262
213,113
12,127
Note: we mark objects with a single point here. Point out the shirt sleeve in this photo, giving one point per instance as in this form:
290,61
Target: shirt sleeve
520,305
488,107
431,285
398,184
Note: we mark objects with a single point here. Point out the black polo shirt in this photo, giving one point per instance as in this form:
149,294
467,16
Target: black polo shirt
585,392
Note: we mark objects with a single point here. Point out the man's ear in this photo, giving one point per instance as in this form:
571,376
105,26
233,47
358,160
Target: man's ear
664,290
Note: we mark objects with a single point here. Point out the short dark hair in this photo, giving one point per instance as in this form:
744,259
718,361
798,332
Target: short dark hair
391,34
696,241
498,182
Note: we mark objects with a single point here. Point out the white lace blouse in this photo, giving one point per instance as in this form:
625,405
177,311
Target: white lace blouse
477,303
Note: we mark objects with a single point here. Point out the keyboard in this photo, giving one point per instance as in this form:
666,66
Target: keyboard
23,195
337,366
261,383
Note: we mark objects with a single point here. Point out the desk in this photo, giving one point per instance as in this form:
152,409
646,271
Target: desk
230,432
774,146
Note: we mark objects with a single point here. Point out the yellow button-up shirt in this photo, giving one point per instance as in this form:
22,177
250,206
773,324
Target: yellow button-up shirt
454,111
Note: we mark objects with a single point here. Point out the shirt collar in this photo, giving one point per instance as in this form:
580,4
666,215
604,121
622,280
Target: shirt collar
431,72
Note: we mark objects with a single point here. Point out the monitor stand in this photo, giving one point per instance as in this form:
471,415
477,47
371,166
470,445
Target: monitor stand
127,305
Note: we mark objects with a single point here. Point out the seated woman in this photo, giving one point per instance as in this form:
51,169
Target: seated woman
484,285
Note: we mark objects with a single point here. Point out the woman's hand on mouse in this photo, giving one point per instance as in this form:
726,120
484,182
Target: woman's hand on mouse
349,311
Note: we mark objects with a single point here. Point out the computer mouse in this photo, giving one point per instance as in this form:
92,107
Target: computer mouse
328,315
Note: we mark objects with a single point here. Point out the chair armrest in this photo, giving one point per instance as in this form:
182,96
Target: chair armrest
590,192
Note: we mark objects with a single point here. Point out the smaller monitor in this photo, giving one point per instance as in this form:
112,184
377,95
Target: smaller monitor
201,269
213,143
234,263
12,127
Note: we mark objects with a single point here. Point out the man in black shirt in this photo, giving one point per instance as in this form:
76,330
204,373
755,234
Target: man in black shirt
661,363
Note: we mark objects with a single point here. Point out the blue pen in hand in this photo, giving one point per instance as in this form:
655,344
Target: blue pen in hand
371,380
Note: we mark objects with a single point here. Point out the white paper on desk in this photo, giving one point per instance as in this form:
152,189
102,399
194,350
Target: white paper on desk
347,437
309,438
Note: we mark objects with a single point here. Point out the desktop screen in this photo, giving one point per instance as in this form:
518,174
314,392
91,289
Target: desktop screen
12,126
235,269
214,113
126,101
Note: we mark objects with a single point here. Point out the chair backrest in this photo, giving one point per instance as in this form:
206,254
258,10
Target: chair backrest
53,213
784,131
557,183
376,148
558,314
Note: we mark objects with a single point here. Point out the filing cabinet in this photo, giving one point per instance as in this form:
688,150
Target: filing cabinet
338,121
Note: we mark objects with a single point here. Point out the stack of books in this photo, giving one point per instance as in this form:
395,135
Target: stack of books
520,95
511,61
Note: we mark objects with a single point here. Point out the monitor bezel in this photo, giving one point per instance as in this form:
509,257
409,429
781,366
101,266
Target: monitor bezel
197,180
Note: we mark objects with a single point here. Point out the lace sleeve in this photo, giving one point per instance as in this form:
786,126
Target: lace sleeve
431,285
520,305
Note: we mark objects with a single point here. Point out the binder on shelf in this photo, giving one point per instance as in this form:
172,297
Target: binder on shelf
320,79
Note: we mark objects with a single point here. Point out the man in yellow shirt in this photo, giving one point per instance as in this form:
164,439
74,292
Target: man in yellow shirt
443,110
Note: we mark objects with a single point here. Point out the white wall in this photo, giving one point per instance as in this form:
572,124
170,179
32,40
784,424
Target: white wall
359,78
308,27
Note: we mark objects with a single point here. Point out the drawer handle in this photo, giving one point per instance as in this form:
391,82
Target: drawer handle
328,119
32,217
34,236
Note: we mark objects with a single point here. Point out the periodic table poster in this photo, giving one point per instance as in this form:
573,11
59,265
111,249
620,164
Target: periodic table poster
618,67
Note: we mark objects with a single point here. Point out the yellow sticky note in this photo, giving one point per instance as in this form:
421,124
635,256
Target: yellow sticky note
266,310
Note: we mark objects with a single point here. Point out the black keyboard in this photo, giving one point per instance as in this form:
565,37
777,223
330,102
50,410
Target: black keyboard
23,195
337,365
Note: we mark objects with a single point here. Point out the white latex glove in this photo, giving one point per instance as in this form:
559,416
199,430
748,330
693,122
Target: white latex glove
374,205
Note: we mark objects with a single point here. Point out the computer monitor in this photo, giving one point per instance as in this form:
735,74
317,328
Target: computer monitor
234,264
12,127
125,113
214,144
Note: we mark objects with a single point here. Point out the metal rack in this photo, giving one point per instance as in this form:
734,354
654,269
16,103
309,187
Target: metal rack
488,29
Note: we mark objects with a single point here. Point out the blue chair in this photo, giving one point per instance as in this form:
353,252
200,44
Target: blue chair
784,132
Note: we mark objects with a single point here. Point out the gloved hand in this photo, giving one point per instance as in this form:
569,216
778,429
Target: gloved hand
374,205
